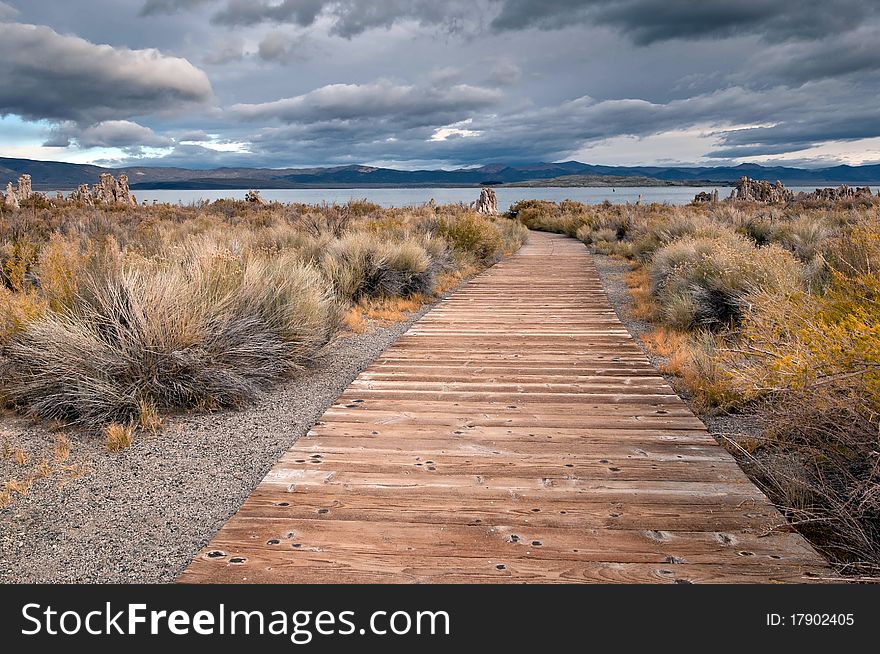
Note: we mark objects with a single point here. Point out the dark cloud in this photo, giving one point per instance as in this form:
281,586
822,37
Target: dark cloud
48,76
795,63
552,133
800,132
407,104
123,134
120,134
649,21
740,151
282,48
348,17
154,7
644,21
194,136
449,81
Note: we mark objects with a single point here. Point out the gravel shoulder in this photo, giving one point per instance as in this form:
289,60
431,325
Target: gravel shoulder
141,515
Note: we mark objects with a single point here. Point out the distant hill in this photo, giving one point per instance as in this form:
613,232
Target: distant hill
567,181
49,175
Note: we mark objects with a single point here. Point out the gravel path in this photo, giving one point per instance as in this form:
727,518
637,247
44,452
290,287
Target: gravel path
141,515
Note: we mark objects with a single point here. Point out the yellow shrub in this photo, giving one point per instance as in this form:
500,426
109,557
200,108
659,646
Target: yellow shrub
17,310
471,234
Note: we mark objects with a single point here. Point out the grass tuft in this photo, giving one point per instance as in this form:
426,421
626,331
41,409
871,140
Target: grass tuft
118,437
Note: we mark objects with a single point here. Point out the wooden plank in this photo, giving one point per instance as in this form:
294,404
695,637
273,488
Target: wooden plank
341,537
516,433
754,517
260,565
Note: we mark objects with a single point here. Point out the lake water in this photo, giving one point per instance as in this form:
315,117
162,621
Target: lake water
402,197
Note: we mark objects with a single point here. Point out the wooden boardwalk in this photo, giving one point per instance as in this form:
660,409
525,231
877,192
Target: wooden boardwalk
516,433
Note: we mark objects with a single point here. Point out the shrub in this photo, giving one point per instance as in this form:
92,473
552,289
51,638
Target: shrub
759,229
855,251
17,311
471,234
365,265
815,368
804,237
17,259
513,235
662,230
563,218
115,314
212,331
705,282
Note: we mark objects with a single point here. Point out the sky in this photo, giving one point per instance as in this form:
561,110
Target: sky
440,83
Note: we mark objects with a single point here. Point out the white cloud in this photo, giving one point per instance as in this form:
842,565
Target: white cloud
457,130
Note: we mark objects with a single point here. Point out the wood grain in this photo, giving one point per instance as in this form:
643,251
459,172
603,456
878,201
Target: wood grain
515,433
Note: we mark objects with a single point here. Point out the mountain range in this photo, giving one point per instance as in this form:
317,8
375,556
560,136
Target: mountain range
49,175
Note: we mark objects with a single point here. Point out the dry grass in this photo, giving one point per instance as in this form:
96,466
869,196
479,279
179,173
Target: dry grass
118,437
31,467
392,309
149,417
774,311
20,457
382,311
116,316
61,451
356,321
643,305
665,342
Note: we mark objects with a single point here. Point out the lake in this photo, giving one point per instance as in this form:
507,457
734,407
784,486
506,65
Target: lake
401,197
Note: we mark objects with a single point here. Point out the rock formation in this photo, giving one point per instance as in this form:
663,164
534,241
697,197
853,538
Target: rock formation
704,196
113,191
82,195
254,197
108,191
842,192
487,204
16,195
753,190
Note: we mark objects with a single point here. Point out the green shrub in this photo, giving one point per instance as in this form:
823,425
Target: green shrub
804,237
706,282
471,234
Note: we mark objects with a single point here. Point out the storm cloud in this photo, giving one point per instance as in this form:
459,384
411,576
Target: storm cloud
46,75
410,104
442,82
645,21
348,17
107,134
649,21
